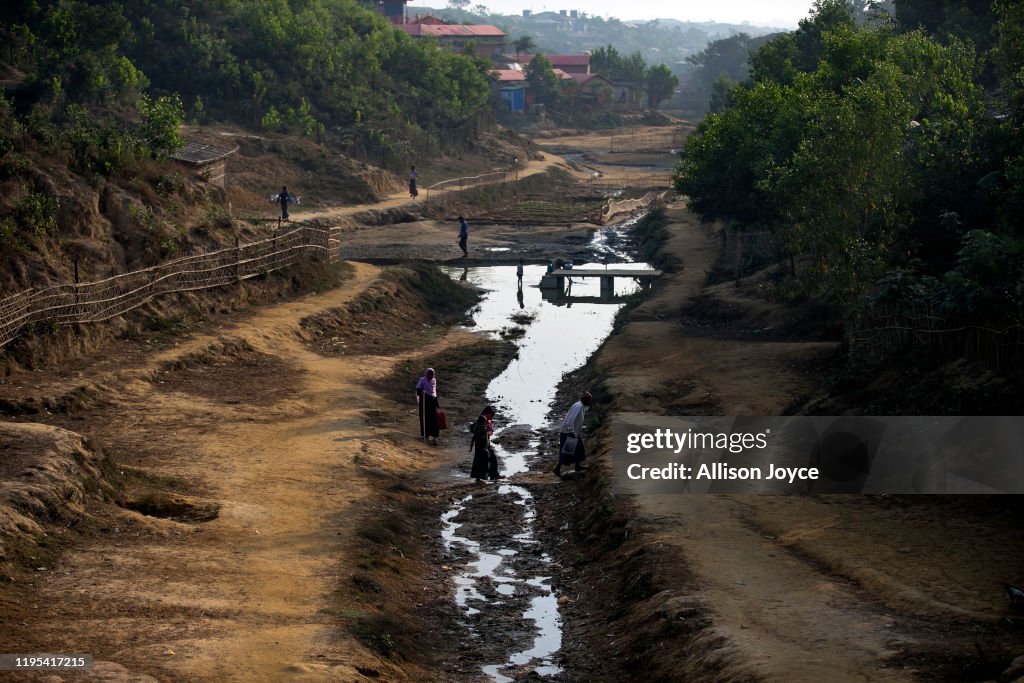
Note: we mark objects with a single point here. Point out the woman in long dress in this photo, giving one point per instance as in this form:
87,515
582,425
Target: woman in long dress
426,396
413,175
485,462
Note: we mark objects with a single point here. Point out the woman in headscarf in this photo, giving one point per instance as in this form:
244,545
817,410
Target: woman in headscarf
426,396
485,462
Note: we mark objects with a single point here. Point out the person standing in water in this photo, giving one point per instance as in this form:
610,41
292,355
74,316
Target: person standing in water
572,428
463,236
485,461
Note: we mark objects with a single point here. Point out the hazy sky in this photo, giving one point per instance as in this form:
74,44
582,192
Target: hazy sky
781,13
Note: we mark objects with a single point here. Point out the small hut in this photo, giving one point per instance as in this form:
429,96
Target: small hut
210,162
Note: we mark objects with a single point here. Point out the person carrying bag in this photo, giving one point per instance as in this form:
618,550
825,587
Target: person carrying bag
571,450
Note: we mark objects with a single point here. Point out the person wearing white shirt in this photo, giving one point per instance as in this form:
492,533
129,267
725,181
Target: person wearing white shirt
572,427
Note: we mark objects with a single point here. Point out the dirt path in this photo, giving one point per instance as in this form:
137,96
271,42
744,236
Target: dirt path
785,619
402,199
241,597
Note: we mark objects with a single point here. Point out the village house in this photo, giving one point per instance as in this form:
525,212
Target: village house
595,90
489,40
512,88
570,64
208,162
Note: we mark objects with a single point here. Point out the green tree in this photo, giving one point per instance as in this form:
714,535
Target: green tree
1009,57
726,57
542,79
784,57
721,94
660,83
523,44
851,163
161,121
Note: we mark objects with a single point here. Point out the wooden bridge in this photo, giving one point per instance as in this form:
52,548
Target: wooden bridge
556,278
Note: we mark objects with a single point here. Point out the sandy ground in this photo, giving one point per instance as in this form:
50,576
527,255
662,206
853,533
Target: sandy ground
241,597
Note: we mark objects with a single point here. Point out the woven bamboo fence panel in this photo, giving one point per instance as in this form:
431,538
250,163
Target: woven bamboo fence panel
744,249
921,330
105,299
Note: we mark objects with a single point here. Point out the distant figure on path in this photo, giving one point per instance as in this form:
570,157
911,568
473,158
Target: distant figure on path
519,273
413,175
485,461
572,428
426,396
463,236
284,198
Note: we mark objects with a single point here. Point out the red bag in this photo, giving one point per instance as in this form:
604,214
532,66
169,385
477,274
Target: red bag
442,421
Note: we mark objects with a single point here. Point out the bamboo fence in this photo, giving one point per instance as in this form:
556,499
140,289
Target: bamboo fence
921,330
105,299
745,249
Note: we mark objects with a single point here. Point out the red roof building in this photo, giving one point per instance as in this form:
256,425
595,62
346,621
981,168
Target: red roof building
570,64
489,40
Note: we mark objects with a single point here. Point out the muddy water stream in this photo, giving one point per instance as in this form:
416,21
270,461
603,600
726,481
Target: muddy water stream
503,580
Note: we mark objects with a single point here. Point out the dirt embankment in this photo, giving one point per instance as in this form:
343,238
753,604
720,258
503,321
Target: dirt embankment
737,588
258,524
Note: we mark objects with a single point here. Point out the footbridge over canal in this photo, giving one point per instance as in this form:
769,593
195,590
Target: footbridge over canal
558,278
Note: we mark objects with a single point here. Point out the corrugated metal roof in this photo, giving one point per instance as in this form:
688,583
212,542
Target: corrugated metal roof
558,60
569,60
199,154
447,30
509,75
583,79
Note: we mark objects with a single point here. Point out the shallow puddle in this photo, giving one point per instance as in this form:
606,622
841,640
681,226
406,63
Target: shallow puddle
498,571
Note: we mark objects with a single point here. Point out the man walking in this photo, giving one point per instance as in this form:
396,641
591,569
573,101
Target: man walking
284,198
570,435
463,236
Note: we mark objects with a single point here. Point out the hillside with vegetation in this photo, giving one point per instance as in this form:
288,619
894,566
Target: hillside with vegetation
659,41
95,93
885,160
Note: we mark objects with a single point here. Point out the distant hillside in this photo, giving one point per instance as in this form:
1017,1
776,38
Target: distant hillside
659,41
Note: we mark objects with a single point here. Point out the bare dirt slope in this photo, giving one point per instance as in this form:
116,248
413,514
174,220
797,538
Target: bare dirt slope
275,444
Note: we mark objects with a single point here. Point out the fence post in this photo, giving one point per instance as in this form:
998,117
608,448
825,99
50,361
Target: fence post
77,301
